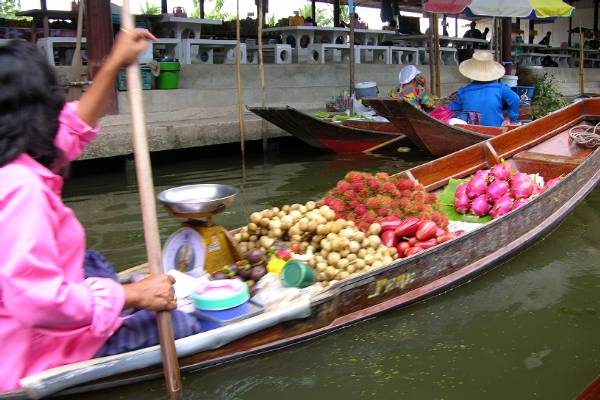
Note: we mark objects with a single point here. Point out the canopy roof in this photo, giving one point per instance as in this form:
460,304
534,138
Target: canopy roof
502,8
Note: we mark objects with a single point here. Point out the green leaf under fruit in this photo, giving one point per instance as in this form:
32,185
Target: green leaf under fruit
446,202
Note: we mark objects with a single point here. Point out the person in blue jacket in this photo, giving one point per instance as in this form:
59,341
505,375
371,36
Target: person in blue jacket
485,97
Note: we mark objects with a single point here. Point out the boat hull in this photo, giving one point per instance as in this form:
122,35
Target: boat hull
429,133
444,266
343,137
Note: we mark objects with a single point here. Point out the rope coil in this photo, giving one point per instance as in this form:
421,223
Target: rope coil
585,135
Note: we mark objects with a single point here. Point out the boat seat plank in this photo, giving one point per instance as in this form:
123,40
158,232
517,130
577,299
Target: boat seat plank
484,130
549,158
562,145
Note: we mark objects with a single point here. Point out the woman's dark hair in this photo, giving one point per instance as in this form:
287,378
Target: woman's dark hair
30,104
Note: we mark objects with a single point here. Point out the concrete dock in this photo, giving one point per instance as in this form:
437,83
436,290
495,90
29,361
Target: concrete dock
203,111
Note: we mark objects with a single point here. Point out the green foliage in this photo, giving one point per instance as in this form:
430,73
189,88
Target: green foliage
270,21
216,12
547,98
8,8
321,15
150,9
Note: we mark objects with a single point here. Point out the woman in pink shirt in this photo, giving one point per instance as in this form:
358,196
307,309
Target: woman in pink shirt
50,313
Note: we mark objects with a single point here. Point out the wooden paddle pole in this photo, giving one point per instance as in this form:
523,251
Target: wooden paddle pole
261,73
74,92
240,99
146,189
581,62
352,55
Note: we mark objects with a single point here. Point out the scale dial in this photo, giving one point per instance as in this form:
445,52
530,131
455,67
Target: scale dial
185,251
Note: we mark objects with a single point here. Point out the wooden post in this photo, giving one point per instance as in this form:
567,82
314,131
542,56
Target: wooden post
314,12
336,13
143,169
164,7
99,35
530,33
507,44
436,55
240,99
45,23
581,61
432,84
201,4
596,15
261,72
352,55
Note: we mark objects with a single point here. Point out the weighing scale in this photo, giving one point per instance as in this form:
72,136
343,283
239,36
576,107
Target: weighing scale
199,246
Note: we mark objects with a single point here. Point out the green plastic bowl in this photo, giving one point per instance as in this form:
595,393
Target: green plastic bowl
297,274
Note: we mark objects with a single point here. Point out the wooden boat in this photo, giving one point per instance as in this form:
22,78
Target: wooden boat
541,147
428,133
591,391
352,136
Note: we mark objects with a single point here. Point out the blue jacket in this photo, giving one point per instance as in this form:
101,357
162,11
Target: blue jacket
487,98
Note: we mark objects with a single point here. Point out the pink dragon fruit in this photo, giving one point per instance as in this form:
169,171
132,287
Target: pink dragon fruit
480,206
503,205
519,202
497,189
483,173
476,187
551,183
462,203
462,188
522,188
501,172
518,177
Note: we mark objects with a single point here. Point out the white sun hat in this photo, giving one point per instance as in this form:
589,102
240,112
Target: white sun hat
408,73
482,67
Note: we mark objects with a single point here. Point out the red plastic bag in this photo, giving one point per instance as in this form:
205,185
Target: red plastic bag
442,113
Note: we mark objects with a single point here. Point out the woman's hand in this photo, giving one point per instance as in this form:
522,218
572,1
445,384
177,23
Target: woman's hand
154,293
128,46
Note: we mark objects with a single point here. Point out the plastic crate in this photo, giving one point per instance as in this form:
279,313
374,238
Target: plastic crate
528,90
216,319
146,75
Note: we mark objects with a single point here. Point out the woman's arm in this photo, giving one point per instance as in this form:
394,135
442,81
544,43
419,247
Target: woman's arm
513,102
128,45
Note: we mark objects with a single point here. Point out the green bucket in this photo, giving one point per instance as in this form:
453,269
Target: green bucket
297,274
169,75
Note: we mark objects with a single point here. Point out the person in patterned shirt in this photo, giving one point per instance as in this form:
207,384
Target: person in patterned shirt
412,88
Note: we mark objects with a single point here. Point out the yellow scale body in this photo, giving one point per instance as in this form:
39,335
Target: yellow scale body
199,246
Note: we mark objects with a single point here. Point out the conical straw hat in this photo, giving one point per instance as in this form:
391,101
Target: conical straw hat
482,67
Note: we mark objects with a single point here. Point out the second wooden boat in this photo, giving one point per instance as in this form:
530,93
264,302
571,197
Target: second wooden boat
542,147
431,134
353,136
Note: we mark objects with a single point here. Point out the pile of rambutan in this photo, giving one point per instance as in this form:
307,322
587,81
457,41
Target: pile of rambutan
366,198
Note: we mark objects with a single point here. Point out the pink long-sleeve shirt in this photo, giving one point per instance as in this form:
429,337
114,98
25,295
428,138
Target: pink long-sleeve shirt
49,314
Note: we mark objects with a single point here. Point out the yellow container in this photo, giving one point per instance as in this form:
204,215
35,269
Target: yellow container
275,265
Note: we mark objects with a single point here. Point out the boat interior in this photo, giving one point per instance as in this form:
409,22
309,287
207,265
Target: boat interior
543,146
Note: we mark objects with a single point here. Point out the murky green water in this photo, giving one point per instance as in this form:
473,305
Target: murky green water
526,330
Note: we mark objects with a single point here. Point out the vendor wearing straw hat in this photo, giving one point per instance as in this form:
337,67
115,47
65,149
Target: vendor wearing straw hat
412,88
485,95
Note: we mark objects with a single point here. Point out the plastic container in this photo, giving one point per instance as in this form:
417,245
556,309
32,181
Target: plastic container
297,274
146,75
365,89
529,91
510,80
169,75
220,294
216,319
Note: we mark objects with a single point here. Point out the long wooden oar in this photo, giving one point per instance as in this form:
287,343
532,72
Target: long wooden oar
143,170
384,144
240,98
261,73
74,92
